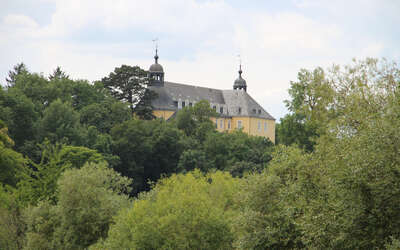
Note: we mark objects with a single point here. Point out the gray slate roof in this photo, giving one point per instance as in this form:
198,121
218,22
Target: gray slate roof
156,67
229,100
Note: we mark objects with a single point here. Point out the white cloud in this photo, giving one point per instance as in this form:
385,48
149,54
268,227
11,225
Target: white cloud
188,17
16,27
19,21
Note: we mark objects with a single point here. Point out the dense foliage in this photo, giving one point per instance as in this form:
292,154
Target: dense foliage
79,171
191,211
88,198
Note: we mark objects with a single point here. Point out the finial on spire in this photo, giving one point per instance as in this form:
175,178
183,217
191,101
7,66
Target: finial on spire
155,40
240,65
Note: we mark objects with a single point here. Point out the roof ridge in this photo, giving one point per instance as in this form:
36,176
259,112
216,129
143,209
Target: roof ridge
195,86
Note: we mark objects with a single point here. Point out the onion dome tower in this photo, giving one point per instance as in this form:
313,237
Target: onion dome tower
240,83
156,72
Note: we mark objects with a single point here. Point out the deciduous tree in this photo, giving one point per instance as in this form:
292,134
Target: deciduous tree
88,198
191,211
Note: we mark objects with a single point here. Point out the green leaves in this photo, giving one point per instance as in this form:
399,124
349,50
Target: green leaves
269,204
195,121
190,211
128,84
336,187
88,198
147,150
60,121
345,193
39,182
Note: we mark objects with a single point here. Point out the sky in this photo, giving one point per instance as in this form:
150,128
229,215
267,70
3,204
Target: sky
199,40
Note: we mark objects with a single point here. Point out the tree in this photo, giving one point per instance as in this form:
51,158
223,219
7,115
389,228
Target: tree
4,138
144,109
60,121
294,129
185,121
128,84
191,211
192,159
104,115
345,194
102,143
310,109
11,162
225,150
37,89
19,113
12,225
203,112
358,162
18,69
147,150
39,182
270,203
88,198
58,74
195,121
84,94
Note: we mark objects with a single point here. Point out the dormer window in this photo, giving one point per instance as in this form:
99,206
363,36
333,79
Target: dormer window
240,110
254,111
259,111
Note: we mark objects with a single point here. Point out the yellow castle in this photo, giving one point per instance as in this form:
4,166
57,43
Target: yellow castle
236,108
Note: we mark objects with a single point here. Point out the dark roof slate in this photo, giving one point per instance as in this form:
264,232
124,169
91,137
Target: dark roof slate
229,100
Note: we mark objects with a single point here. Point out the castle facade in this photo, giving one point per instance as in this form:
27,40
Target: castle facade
236,108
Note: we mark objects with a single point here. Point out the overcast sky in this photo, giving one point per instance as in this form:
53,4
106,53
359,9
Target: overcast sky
199,40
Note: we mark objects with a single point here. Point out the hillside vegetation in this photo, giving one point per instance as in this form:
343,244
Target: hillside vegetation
87,166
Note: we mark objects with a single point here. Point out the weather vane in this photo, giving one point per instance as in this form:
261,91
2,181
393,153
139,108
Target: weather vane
240,61
155,40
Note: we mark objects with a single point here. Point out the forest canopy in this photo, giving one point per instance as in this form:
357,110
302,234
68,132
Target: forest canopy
85,166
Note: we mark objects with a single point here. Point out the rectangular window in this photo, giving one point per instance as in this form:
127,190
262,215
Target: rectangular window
254,111
239,125
183,104
259,126
176,103
265,126
240,110
259,111
216,123
215,107
229,124
221,110
190,104
221,123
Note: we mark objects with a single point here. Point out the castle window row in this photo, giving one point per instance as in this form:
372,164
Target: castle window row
181,104
220,124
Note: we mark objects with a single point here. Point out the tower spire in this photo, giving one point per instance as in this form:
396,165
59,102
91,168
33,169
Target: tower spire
155,40
240,66
156,71
240,83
